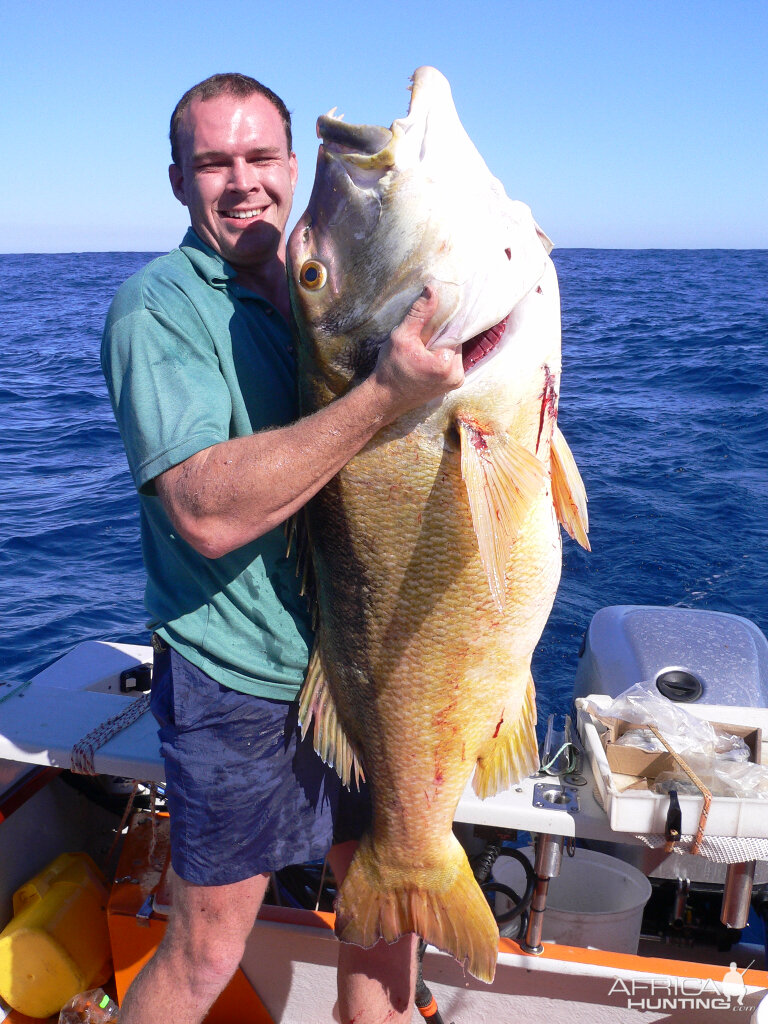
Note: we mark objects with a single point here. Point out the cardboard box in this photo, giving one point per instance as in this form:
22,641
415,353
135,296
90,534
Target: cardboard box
644,812
649,764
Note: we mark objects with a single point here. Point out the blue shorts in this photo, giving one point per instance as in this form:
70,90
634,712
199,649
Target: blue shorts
245,794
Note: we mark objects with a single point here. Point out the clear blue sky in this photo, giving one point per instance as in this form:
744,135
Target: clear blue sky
623,123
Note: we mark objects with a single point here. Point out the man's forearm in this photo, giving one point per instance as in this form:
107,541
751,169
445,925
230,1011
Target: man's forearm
235,491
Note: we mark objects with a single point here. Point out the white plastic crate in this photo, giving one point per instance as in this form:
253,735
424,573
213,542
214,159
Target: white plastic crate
643,812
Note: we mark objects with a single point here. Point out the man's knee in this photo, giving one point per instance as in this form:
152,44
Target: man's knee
208,957
209,926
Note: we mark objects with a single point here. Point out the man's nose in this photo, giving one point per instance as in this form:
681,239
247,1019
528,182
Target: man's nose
242,177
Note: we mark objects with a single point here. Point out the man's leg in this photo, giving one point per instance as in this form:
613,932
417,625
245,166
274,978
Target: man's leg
376,984
201,950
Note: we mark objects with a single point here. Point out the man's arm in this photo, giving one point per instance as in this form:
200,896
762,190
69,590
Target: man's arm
233,492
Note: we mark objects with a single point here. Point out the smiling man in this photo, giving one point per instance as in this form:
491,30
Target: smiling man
198,358
235,171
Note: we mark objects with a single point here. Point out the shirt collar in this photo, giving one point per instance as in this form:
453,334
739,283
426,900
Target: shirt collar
214,269
206,261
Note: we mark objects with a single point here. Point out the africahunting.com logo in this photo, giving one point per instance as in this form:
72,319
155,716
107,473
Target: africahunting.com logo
684,993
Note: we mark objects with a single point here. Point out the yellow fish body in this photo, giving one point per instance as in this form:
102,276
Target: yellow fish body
436,550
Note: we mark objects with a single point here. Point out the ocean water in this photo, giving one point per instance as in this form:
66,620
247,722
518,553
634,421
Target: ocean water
664,402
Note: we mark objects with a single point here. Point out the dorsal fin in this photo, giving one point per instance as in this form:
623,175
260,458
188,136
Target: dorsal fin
568,491
503,480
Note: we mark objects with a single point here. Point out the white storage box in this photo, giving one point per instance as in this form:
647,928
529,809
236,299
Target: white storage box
644,812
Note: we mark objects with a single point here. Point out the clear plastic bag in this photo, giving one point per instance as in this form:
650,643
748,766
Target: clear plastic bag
642,704
721,777
719,759
643,739
731,748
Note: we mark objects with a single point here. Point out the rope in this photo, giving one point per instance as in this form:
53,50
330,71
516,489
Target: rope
121,826
696,844
152,786
84,751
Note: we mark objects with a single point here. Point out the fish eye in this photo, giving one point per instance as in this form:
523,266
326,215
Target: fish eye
313,275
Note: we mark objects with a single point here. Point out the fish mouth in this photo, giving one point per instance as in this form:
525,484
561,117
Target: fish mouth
477,348
371,148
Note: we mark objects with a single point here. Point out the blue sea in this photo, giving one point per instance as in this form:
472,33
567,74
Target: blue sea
664,402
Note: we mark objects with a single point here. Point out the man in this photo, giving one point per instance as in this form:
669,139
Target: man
198,359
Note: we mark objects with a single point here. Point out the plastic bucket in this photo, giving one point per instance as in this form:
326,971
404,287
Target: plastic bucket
595,901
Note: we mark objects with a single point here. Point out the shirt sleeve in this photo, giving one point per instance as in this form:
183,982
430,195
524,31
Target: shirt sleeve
169,396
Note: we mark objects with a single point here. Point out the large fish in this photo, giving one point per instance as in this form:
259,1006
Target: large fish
436,550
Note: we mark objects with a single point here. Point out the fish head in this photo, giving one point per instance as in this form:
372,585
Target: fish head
395,209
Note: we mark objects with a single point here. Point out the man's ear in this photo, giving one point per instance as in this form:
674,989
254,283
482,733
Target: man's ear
293,165
177,183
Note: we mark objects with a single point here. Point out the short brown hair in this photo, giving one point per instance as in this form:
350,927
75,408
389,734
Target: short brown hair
229,84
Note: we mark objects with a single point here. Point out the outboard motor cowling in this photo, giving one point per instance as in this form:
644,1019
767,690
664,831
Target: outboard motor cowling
691,655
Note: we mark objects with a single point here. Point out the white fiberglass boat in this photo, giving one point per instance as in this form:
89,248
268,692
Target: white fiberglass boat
609,917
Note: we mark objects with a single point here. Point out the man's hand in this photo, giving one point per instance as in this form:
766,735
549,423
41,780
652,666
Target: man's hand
410,374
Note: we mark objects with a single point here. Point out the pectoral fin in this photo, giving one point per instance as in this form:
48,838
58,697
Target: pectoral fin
329,738
503,480
568,491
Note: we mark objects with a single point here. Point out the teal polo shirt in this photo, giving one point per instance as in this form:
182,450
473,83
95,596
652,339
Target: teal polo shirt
191,358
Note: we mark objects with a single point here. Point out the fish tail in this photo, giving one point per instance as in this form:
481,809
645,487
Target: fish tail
442,903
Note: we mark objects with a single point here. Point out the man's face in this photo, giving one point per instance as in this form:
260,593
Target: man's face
236,177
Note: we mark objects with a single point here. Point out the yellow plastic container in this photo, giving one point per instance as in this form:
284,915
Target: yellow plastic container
57,943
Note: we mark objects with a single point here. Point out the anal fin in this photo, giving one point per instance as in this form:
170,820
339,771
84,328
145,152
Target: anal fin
503,480
329,739
512,754
568,492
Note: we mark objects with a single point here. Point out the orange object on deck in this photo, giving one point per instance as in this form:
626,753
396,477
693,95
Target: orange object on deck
430,1009
135,938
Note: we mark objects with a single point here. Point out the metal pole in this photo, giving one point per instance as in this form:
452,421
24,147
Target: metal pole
737,894
549,856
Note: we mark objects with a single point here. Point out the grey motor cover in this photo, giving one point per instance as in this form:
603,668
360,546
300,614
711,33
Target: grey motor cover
692,656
